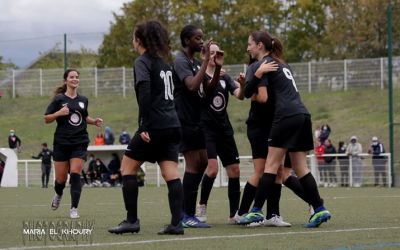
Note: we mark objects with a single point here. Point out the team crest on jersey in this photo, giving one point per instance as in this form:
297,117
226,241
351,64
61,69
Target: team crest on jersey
75,119
201,90
223,83
82,105
218,102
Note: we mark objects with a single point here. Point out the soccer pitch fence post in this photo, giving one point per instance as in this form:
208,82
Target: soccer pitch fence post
65,53
390,86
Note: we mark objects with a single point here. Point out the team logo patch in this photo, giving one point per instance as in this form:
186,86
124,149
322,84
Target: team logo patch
82,105
223,83
218,102
75,119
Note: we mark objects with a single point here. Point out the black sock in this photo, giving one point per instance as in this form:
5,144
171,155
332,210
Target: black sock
311,190
190,188
233,195
273,202
268,187
206,186
130,191
259,198
47,179
59,187
175,198
76,189
294,184
248,196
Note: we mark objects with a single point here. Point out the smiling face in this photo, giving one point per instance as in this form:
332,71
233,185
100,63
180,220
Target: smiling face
195,42
72,80
254,49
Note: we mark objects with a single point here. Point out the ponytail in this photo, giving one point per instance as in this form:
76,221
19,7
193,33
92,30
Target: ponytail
271,44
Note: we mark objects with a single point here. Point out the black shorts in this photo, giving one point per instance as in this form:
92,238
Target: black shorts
67,152
222,145
293,133
258,138
163,146
192,139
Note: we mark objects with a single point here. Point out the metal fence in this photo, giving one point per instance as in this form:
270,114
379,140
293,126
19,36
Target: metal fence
343,172
310,77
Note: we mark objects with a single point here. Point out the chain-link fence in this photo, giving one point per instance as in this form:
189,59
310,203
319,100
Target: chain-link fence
310,77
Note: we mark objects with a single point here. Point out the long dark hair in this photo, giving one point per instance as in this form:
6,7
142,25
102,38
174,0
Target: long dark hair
271,44
154,38
187,32
63,88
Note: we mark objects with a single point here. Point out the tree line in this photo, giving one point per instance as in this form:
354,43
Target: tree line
309,29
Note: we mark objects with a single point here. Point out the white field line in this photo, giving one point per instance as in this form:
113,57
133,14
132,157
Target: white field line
143,242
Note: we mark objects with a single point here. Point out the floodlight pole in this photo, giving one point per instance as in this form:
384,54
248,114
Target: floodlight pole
390,87
65,52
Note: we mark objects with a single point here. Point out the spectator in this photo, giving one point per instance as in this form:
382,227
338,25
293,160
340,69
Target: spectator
124,137
343,164
99,139
323,175
330,162
354,150
114,168
94,176
102,172
2,166
378,161
46,154
14,142
324,133
109,136
140,176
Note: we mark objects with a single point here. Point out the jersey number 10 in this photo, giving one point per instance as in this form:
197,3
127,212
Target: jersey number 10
168,84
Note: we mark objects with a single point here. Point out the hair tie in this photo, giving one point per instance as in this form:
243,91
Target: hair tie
272,41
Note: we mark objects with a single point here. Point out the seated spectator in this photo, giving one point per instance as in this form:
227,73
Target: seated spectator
99,139
114,168
92,171
124,137
109,136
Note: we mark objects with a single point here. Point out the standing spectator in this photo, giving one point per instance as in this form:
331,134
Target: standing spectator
109,136
14,142
378,161
354,150
45,155
124,137
343,164
323,175
2,165
330,162
324,133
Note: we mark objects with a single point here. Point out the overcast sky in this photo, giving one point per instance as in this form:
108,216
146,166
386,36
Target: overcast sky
28,27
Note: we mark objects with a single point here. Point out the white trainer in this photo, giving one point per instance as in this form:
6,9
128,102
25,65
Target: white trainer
73,213
55,203
234,220
276,221
201,212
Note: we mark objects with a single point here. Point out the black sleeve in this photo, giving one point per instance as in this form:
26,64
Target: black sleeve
38,156
142,82
18,141
53,107
252,82
230,83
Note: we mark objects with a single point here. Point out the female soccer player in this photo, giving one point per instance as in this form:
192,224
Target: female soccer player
158,135
291,129
71,140
218,132
189,77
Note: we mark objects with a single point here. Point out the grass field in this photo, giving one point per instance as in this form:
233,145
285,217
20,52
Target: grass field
364,218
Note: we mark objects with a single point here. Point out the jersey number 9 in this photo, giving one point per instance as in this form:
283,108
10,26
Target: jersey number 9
289,76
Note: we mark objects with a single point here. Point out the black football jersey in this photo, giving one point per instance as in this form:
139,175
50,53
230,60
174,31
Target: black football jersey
154,76
214,113
71,128
283,91
188,103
